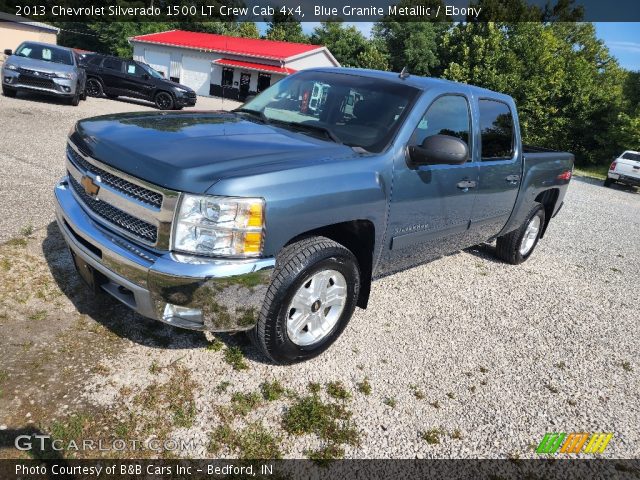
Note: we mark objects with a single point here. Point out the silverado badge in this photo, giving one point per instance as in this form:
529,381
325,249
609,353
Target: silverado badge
89,186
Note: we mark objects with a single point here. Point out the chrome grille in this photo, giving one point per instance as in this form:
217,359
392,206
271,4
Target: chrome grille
114,215
130,189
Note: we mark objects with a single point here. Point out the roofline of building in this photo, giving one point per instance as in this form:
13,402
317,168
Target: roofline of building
7,17
231,52
319,49
220,61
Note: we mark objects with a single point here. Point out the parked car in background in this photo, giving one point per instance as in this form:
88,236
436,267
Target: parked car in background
275,218
114,77
625,169
44,68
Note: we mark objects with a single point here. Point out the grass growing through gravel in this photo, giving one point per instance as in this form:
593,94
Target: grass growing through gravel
364,387
432,436
234,357
331,422
26,230
627,366
253,442
419,394
337,390
243,403
390,402
272,391
215,345
314,387
223,386
325,455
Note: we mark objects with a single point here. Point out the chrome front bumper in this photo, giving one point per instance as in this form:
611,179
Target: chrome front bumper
229,293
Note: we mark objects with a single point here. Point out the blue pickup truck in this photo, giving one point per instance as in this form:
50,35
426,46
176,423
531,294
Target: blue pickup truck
275,218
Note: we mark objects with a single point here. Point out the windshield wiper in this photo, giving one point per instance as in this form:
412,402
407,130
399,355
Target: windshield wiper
311,127
254,113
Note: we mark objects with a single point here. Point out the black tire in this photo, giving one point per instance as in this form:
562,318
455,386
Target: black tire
83,95
508,246
164,101
294,267
75,100
608,182
94,88
9,92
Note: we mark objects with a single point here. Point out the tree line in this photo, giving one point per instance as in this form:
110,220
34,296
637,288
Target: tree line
570,91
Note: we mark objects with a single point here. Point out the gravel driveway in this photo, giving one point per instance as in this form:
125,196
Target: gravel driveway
462,357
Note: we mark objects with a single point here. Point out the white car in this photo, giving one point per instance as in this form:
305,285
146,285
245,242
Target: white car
625,169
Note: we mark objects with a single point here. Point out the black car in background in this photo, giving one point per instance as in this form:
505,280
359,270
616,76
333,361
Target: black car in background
114,77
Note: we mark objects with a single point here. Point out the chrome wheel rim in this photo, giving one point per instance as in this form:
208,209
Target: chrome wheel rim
316,307
163,101
93,88
530,235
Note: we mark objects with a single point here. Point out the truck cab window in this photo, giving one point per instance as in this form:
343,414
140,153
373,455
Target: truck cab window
496,130
447,115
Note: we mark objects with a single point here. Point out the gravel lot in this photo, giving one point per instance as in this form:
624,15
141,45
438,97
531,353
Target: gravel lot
465,356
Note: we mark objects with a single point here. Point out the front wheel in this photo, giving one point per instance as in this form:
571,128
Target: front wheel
310,300
94,87
515,247
164,101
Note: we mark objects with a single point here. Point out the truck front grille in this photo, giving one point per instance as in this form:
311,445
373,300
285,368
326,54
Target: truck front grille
131,189
115,216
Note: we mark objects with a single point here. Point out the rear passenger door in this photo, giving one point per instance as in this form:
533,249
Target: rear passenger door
500,170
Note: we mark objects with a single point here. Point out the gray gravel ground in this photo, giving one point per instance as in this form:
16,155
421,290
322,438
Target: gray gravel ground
503,354
33,134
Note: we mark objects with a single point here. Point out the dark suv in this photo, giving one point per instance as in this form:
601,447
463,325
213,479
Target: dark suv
116,77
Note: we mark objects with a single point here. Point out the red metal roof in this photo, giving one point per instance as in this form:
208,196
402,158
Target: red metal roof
254,66
223,43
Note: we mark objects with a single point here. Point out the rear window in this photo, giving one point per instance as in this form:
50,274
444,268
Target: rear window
496,130
631,156
113,64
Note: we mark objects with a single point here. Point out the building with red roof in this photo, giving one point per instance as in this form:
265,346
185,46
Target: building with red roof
221,65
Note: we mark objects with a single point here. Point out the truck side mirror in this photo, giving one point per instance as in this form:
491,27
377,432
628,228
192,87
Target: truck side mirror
8,51
439,150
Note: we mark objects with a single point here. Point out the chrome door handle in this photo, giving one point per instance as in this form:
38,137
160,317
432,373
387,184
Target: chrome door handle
513,179
465,185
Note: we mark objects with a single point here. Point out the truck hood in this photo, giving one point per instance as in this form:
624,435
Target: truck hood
190,151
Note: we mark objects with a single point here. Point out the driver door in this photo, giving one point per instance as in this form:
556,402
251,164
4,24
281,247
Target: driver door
431,205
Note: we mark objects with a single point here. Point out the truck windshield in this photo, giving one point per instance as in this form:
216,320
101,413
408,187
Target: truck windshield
355,110
47,53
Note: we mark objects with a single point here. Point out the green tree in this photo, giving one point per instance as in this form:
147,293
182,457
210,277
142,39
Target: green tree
284,27
346,43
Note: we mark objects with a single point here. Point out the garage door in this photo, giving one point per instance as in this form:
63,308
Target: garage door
196,73
158,61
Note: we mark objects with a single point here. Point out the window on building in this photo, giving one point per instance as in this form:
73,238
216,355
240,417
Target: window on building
264,81
227,77
496,130
113,64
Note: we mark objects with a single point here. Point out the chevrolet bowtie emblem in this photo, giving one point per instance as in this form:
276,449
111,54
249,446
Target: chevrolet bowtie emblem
89,186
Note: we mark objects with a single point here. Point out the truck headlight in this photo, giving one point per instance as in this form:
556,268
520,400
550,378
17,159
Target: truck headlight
219,226
10,66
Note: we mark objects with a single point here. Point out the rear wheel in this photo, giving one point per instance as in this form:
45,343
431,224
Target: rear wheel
515,247
164,101
93,88
8,91
310,300
608,182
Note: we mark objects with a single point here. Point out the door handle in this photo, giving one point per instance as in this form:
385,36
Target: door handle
513,179
465,185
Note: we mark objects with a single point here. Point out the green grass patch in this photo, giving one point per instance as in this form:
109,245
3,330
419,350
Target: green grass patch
243,403
69,429
627,366
38,316
599,172
5,264
364,387
314,387
17,242
234,357
253,442
419,394
325,455
432,436
223,386
215,345
329,421
272,391
337,390
390,402
154,368
26,230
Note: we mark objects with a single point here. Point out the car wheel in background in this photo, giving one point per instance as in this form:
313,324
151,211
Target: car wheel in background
164,101
608,182
94,87
515,247
310,300
8,91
